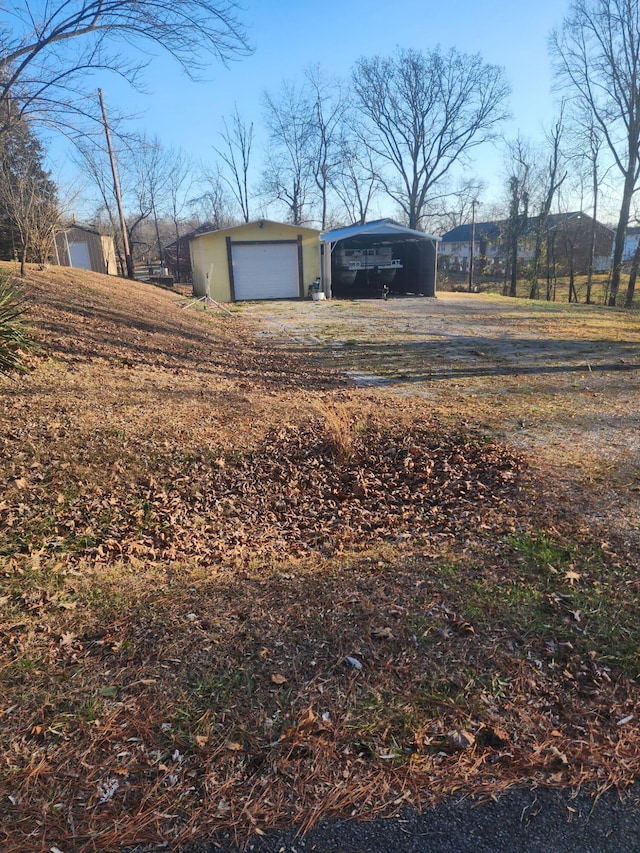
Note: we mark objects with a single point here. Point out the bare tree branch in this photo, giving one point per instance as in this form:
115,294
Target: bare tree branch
49,49
424,113
597,58
236,155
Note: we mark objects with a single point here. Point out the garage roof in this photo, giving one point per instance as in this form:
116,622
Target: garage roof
386,228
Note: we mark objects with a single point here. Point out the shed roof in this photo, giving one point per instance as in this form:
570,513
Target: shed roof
386,228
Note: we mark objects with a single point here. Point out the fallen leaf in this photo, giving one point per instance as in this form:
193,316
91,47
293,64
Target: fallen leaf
223,808
558,756
461,740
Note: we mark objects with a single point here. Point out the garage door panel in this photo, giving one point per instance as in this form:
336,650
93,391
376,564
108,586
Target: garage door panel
266,271
79,256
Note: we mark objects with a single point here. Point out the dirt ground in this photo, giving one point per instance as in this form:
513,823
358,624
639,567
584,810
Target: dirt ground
259,567
558,381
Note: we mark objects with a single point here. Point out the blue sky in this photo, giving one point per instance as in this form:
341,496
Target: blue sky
288,36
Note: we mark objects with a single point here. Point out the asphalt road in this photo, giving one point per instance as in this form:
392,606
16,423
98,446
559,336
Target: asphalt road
521,821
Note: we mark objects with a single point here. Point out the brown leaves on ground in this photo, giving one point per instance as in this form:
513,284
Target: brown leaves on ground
290,496
236,594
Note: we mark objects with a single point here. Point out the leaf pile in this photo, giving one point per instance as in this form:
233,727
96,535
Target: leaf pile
293,494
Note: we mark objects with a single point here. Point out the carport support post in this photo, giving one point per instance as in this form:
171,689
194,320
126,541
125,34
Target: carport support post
325,268
428,259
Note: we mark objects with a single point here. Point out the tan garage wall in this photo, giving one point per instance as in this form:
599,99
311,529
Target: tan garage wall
210,254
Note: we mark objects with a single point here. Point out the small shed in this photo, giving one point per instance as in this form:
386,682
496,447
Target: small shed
257,260
361,260
86,249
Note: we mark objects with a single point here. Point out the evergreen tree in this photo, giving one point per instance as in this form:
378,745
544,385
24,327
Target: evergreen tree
29,209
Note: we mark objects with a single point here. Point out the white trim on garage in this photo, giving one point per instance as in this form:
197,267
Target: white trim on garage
265,270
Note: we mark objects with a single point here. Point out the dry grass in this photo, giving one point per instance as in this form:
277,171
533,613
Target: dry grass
238,592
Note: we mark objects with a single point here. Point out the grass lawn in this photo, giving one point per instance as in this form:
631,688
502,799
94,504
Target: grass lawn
239,591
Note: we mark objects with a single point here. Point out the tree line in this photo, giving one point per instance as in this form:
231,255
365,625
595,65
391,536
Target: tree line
401,131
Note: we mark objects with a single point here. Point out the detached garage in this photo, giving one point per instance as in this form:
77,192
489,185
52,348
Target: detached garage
259,260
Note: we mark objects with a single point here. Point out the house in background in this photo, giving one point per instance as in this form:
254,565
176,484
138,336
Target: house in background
567,240
257,260
177,257
84,248
631,241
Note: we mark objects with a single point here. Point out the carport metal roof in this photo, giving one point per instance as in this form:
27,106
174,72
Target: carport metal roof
384,228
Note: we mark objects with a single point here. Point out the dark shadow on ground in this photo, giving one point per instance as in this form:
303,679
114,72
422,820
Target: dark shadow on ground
467,357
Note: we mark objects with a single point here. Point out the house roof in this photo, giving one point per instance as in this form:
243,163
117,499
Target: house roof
484,231
378,228
205,228
492,231
88,229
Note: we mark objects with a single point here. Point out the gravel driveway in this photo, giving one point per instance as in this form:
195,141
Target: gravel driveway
559,381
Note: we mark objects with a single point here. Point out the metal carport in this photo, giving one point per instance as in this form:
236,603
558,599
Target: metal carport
416,251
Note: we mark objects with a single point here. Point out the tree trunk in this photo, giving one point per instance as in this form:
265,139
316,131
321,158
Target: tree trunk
513,286
592,244
621,232
573,296
23,259
633,275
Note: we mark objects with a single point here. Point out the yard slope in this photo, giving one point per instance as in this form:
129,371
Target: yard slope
236,592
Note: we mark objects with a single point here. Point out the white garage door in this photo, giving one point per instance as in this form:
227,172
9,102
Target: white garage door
79,256
265,271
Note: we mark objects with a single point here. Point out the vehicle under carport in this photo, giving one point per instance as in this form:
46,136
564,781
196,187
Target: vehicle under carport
369,260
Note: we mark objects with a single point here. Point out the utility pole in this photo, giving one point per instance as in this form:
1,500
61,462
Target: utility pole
474,203
116,188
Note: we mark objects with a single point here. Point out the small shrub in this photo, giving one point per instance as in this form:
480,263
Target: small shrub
14,339
339,430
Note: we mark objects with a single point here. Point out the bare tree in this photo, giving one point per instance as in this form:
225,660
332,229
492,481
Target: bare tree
586,142
597,55
178,189
236,155
91,158
213,205
145,169
518,182
48,52
424,113
455,206
553,178
288,174
355,181
328,109
150,168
